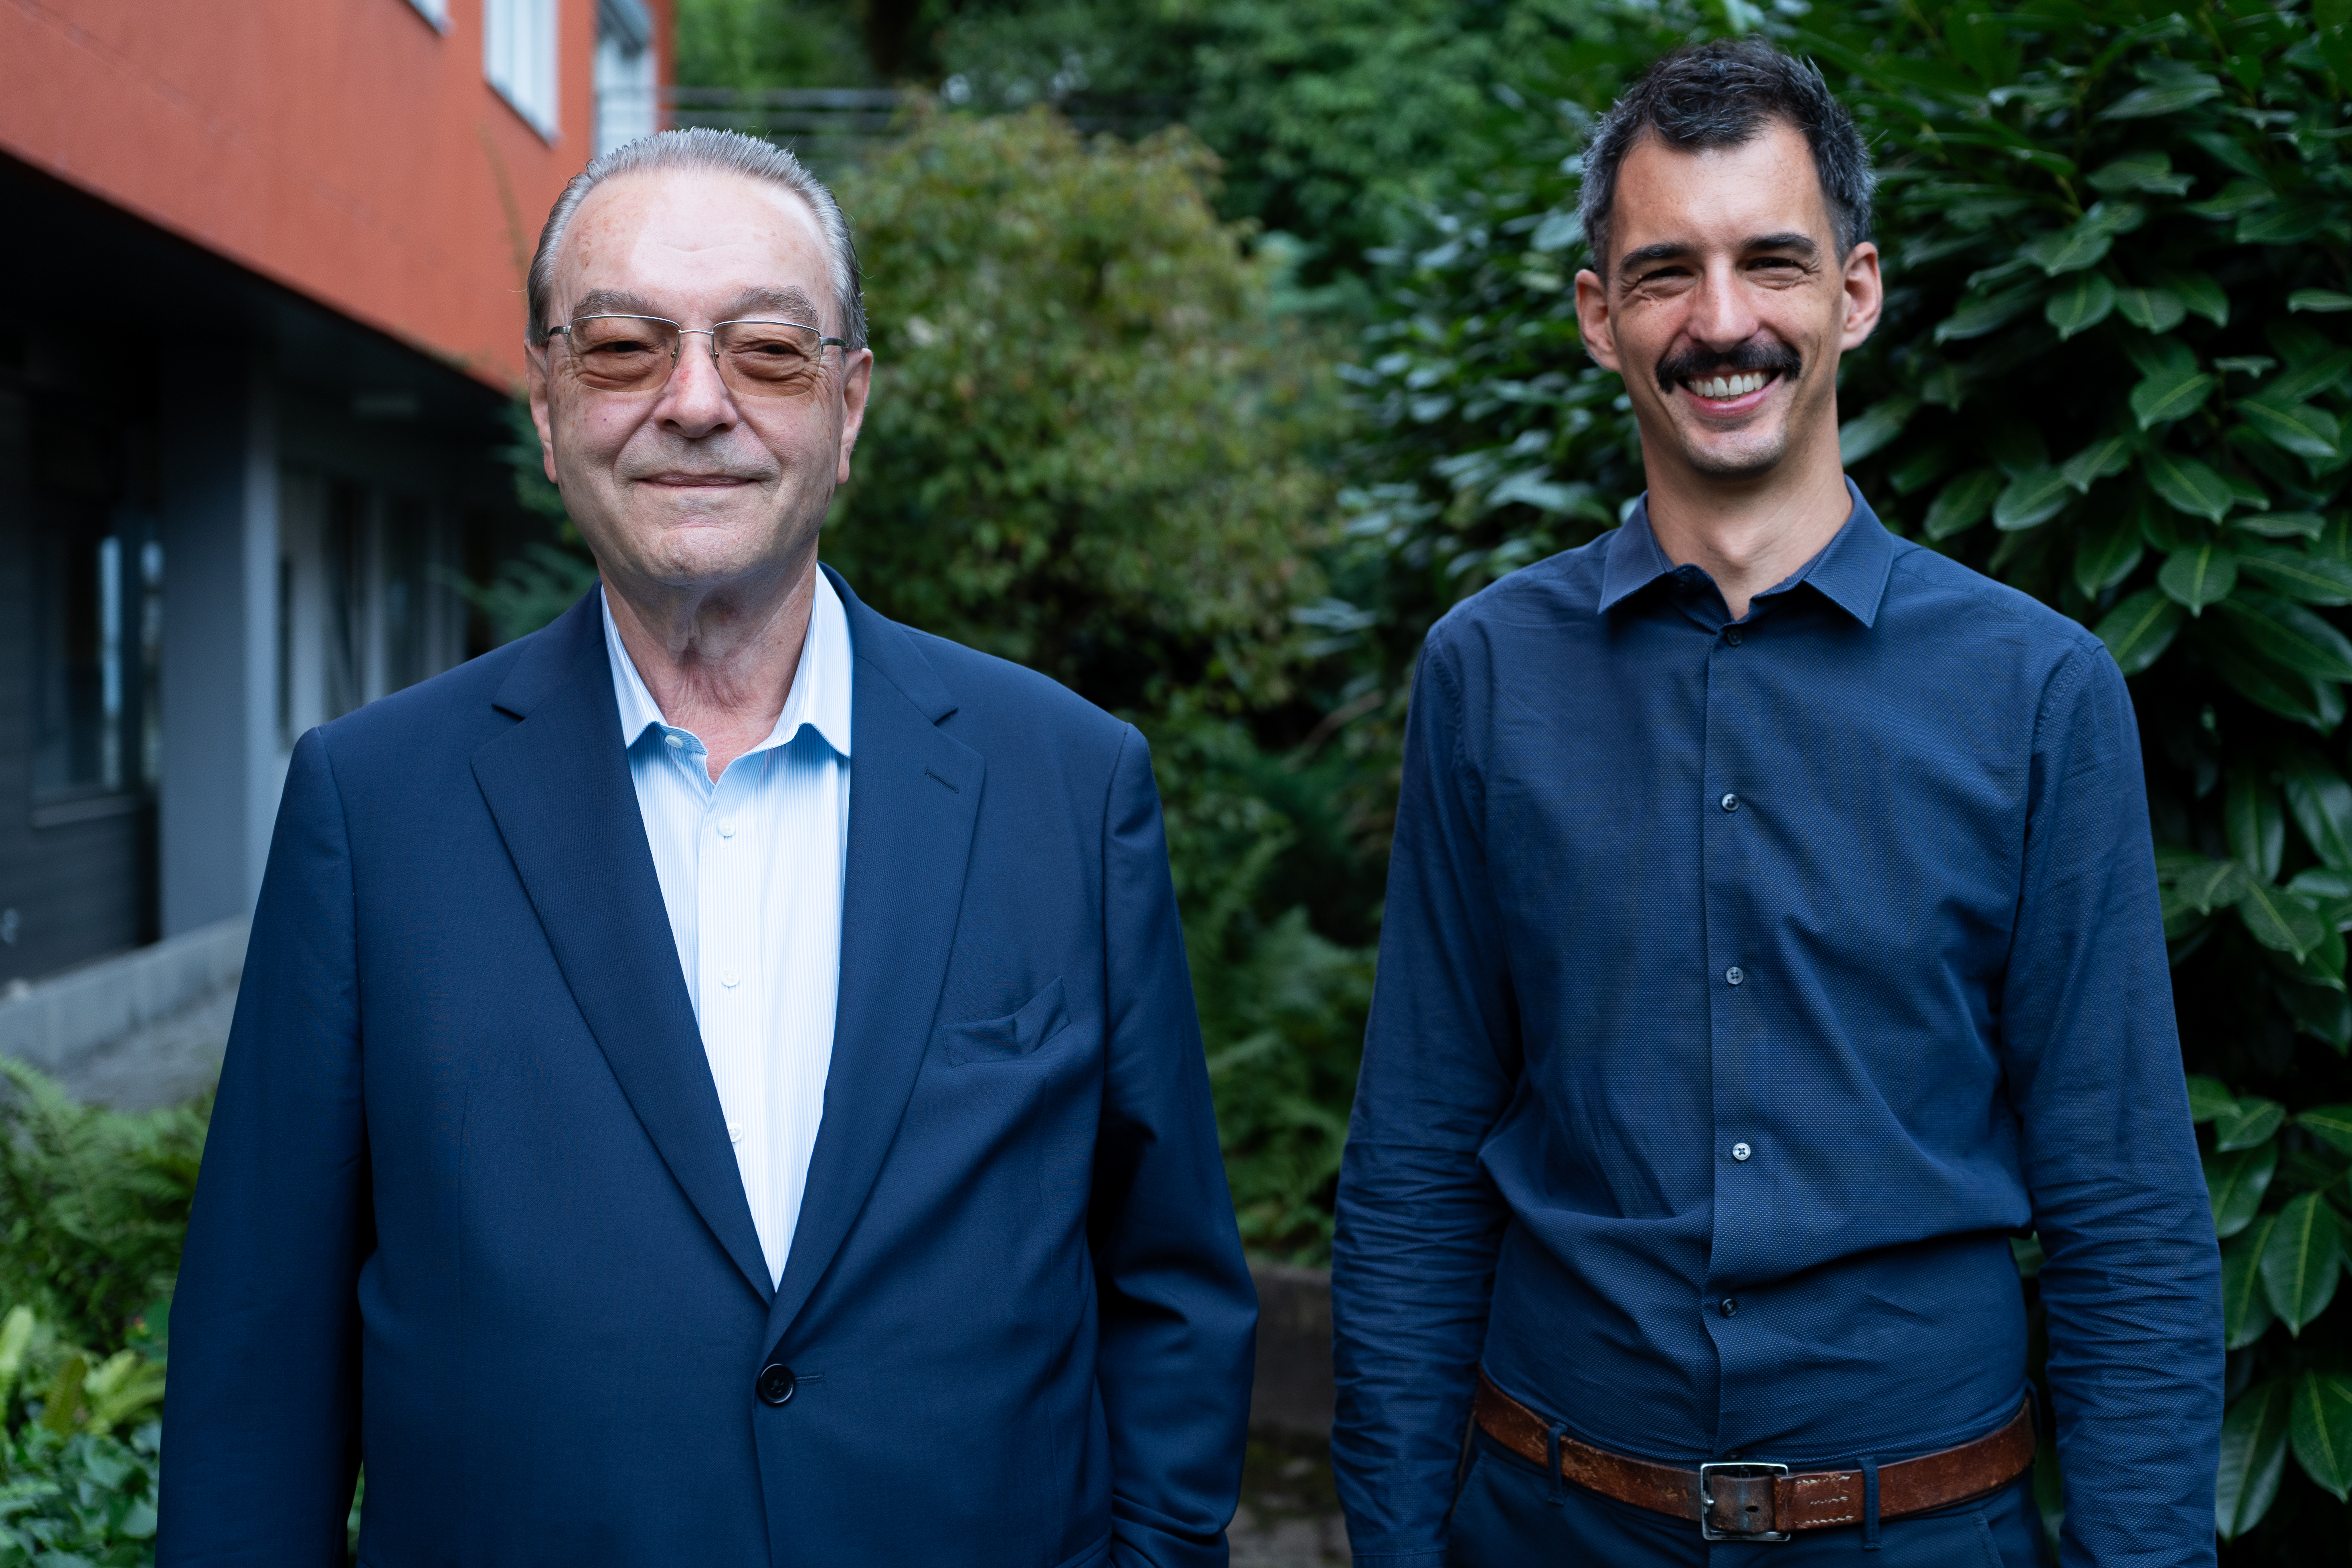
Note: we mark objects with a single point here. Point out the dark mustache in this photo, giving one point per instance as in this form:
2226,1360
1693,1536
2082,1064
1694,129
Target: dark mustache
1756,353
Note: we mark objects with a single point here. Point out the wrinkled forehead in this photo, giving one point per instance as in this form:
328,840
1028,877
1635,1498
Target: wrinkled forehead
692,241
1767,184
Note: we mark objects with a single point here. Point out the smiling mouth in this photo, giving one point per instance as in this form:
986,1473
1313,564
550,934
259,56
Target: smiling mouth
1729,388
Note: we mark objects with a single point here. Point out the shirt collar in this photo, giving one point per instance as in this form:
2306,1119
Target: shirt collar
820,694
1850,571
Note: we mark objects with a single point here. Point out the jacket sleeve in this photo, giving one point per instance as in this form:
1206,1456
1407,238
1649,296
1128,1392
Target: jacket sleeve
1177,1311
260,1421
1413,1262
2131,1278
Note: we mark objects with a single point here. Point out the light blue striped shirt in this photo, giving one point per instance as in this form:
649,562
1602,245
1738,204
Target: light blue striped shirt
750,870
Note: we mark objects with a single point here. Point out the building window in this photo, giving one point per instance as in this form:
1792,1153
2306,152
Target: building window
518,56
627,86
436,12
97,622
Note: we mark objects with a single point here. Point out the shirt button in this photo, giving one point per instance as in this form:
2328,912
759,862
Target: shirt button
726,828
674,742
729,978
1729,1308
1741,1151
734,1132
1731,636
1731,803
1735,975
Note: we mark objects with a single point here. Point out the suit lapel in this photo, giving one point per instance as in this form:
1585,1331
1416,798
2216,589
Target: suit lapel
558,785
914,796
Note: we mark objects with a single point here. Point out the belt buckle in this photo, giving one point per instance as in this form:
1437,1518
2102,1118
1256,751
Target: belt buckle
1736,1471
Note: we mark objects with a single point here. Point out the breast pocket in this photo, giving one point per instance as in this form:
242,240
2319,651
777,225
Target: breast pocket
1015,1034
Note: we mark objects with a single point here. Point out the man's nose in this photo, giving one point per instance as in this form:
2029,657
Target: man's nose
697,401
1722,316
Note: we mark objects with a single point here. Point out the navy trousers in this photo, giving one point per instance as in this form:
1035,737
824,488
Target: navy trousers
1505,1517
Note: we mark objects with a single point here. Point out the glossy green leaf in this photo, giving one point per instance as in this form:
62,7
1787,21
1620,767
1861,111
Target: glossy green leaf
1974,318
2254,1457
2169,396
2283,525
2331,1124
2245,1304
2209,1098
2235,1182
2303,1259
2253,822
2281,223
2280,921
2201,294
1865,433
2303,428
2321,1426
2256,677
2079,306
1962,502
2322,802
2297,575
2309,376
2249,1122
2145,170
2033,496
2103,459
2138,630
2167,98
2318,300
2106,551
2188,484
2213,885
2291,636
2151,310
2086,244
2199,575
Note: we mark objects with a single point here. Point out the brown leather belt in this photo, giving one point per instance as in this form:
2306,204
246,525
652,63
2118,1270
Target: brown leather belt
1747,1500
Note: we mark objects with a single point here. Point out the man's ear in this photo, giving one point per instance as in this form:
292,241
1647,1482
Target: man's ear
534,360
857,380
1593,320
1865,295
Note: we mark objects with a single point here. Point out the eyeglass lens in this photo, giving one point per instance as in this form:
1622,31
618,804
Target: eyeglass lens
637,353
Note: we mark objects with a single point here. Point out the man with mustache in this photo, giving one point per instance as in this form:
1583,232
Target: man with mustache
1772,934
716,1080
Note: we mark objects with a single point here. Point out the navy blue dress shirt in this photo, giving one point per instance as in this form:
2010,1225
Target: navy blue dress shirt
1744,987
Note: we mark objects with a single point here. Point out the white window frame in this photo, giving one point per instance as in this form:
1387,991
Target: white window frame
628,75
521,59
433,10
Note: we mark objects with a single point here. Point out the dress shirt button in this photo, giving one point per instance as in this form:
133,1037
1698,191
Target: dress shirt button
729,977
735,1134
1731,803
674,742
776,1383
1728,1306
726,828
1740,1152
1735,975
1731,636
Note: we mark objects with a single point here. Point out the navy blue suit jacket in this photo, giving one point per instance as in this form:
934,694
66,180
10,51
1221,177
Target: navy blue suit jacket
469,1213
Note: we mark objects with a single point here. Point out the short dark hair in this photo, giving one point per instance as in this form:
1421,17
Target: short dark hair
1720,95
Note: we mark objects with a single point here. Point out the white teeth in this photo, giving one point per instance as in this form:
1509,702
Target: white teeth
1724,387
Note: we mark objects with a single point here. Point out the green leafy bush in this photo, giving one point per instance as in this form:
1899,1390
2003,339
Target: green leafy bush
93,1205
2113,373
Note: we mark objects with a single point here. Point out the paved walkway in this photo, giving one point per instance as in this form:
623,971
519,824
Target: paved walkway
1289,1515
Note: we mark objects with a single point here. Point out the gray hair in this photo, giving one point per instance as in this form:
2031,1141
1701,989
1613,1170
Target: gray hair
701,148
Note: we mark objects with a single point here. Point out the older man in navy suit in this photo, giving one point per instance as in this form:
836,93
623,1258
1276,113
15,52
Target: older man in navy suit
716,1080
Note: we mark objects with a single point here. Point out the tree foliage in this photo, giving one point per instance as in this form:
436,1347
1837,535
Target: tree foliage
2112,372
1087,446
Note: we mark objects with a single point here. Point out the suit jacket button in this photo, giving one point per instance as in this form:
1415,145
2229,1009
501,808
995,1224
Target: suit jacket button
776,1383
